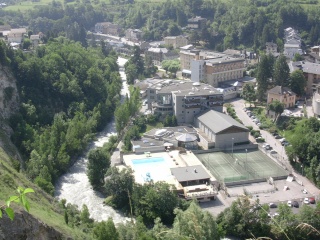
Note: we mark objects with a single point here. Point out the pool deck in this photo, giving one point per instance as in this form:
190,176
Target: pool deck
173,159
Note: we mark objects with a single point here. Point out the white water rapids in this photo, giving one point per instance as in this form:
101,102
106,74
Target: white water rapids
74,186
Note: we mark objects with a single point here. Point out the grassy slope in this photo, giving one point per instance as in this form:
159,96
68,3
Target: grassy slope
42,206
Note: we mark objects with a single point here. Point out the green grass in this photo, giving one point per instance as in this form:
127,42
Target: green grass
152,126
42,206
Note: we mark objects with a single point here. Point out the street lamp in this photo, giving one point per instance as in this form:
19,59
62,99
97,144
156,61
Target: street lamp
232,147
246,158
302,168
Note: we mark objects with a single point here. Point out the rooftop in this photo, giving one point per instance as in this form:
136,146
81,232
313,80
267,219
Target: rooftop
281,90
219,122
190,173
183,88
223,60
157,50
306,67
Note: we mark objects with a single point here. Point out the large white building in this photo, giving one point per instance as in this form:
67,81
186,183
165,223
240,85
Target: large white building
183,99
316,102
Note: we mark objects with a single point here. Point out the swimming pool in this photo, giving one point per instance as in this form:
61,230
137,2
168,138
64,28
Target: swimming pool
153,168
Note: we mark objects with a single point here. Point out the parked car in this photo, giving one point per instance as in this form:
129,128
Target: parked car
277,137
273,152
275,214
289,203
285,143
306,201
312,200
295,204
275,134
305,191
272,205
282,140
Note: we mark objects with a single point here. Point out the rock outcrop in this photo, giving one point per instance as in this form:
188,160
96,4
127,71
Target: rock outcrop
26,227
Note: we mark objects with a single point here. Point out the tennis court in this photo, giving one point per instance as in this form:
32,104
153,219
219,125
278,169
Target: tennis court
243,165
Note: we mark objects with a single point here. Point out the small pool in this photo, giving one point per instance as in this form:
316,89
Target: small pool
153,168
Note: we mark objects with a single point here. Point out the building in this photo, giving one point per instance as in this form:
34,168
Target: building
311,72
16,35
176,41
35,40
4,30
195,181
283,95
292,43
218,130
183,99
271,48
316,102
160,54
134,35
211,67
197,22
108,28
220,70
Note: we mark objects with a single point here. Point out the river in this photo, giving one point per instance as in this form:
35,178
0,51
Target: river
74,186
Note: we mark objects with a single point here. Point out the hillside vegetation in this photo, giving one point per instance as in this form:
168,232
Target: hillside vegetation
43,206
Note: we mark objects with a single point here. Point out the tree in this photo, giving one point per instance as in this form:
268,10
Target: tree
194,223
297,57
277,107
281,72
248,93
262,78
153,200
106,230
298,82
119,186
85,215
98,164
131,72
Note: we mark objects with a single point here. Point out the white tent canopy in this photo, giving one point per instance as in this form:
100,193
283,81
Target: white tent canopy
186,137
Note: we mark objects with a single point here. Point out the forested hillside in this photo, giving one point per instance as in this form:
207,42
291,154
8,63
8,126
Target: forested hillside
231,24
67,94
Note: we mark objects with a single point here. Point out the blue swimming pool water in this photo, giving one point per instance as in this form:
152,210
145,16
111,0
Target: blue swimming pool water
152,168
148,160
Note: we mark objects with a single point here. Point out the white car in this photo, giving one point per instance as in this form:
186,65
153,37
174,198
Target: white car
282,140
289,203
305,191
306,201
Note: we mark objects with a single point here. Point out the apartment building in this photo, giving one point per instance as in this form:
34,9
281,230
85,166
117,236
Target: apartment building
311,72
183,99
16,35
222,70
176,41
283,95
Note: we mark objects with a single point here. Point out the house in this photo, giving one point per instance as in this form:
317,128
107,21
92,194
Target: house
4,30
108,28
16,35
311,72
176,41
160,54
218,130
183,99
197,23
272,48
35,40
283,95
134,35
156,54
292,43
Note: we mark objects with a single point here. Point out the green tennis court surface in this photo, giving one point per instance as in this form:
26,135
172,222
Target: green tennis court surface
241,166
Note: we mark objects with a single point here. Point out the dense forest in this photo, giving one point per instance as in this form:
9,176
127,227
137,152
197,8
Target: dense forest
67,94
